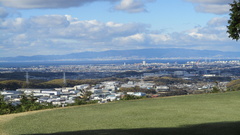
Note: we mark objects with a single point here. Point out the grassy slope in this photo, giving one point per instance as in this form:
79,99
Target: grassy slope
170,115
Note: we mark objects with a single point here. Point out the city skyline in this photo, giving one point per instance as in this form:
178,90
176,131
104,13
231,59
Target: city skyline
43,27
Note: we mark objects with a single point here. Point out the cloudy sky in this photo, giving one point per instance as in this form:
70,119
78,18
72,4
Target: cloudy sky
45,27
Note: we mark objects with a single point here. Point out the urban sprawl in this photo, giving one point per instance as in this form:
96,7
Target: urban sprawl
199,77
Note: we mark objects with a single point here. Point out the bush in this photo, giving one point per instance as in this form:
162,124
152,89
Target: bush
215,90
131,97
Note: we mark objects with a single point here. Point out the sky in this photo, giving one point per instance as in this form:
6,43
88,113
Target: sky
56,27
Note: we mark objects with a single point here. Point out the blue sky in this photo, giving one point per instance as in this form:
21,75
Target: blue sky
50,27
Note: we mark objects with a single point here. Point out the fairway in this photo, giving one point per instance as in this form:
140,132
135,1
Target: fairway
192,114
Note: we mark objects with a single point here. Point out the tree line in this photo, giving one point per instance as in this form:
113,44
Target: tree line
56,83
28,103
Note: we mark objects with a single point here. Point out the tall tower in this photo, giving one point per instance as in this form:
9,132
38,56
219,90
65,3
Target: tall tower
27,78
144,63
64,79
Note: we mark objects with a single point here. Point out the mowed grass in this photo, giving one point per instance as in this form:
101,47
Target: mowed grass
192,114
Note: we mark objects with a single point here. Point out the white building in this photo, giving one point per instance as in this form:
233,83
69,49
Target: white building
81,87
162,88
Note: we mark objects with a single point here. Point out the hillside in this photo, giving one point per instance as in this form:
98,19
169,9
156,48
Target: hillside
205,114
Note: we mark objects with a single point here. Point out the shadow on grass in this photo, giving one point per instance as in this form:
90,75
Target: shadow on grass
222,128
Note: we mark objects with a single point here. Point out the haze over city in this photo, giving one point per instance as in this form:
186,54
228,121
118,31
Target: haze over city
43,27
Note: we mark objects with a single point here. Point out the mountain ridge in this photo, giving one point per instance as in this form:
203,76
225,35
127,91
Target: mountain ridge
154,53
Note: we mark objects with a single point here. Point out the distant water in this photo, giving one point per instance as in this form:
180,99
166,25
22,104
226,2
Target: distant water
117,62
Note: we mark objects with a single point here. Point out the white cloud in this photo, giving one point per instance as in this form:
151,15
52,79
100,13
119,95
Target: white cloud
14,25
138,38
214,31
144,39
61,34
30,4
159,38
50,21
211,1
217,21
3,13
212,6
209,36
131,6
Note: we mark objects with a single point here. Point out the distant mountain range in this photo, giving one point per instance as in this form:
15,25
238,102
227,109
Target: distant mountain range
127,55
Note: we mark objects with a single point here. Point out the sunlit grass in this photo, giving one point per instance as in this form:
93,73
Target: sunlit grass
171,112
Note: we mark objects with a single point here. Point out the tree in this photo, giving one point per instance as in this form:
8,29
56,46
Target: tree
234,21
5,108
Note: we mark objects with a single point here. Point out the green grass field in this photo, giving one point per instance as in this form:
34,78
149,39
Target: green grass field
207,114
